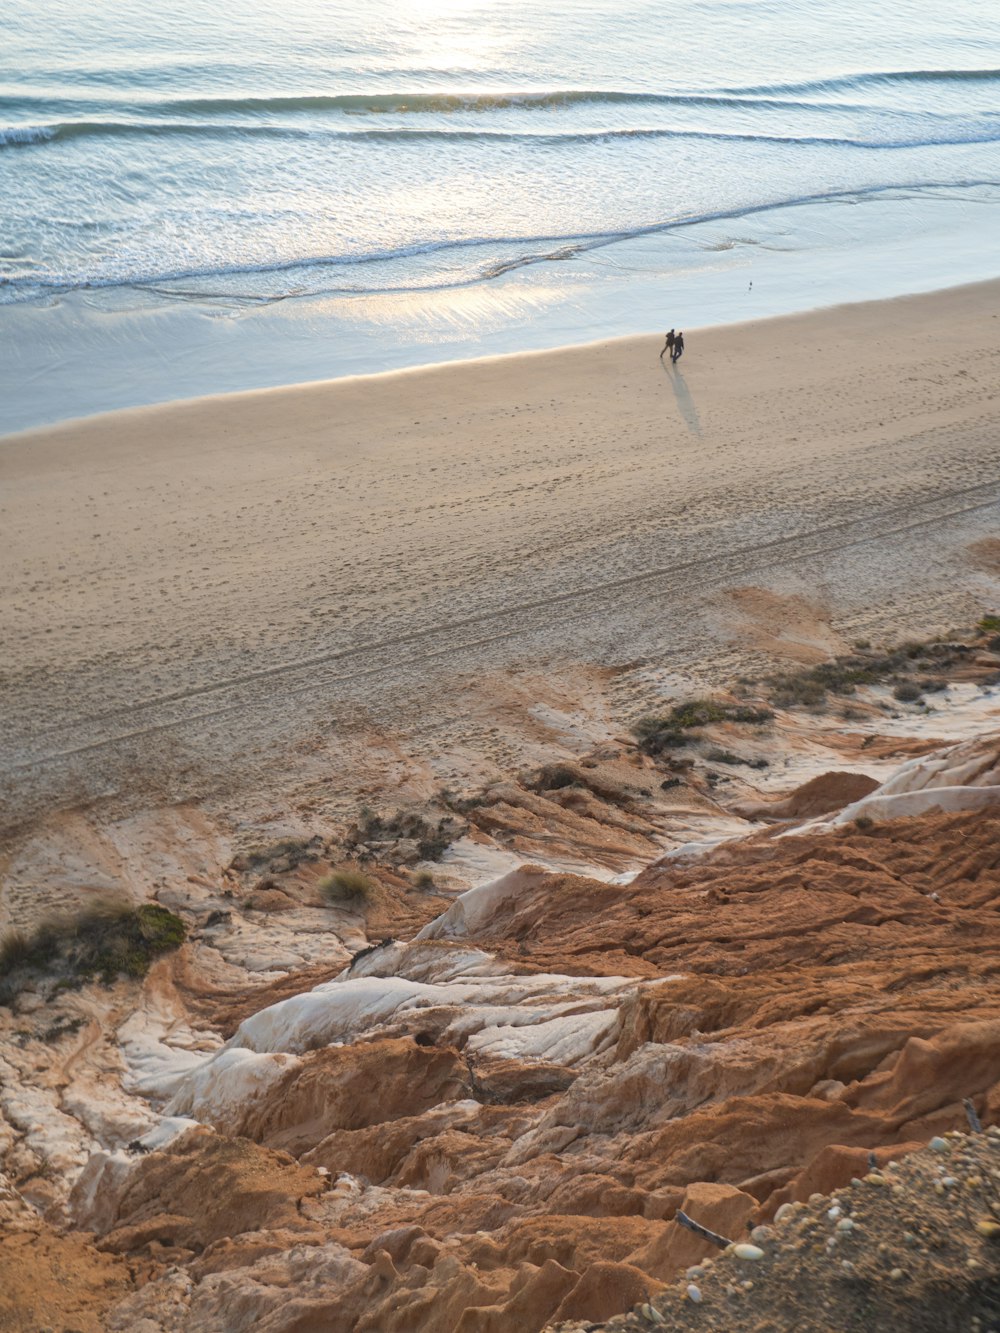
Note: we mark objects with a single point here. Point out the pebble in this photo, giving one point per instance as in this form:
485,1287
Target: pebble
973,1182
652,1314
897,1275
745,1251
784,1211
815,1198
760,1234
845,1224
833,1213
694,1293
949,1182
694,1272
847,1266
938,1144
748,1285
988,1230
875,1178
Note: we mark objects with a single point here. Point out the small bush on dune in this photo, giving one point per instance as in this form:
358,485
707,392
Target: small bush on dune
906,692
15,951
656,735
811,687
348,888
291,850
432,840
554,777
104,941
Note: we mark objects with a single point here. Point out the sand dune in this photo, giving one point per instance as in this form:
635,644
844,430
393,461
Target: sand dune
213,581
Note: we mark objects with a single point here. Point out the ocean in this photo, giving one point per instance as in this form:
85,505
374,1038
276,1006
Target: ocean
439,178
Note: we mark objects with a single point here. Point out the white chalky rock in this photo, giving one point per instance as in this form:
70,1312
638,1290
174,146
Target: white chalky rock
694,1293
745,1251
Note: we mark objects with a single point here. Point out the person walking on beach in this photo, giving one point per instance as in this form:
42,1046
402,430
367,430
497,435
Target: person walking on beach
668,346
678,348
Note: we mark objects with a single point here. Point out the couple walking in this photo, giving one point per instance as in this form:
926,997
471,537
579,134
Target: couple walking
674,345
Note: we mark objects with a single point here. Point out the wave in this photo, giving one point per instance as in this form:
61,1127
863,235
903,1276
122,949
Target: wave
23,136
866,79
13,136
473,100
484,100
543,248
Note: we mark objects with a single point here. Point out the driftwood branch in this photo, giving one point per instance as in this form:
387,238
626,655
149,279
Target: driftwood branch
701,1231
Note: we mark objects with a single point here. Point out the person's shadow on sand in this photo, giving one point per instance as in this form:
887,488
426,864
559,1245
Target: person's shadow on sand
685,402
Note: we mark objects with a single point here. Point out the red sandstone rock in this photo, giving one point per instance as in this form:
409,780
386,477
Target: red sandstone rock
606,1289
819,796
351,1087
807,1002
205,1187
721,1208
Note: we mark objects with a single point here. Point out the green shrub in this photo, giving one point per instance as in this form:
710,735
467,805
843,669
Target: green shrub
811,686
656,735
432,840
348,888
554,777
105,940
716,756
864,822
990,624
906,692
423,879
15,951
436,841
291,849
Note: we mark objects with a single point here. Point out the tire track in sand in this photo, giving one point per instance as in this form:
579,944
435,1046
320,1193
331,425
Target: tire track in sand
716,569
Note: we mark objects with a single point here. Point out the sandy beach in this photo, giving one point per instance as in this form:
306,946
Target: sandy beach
206,594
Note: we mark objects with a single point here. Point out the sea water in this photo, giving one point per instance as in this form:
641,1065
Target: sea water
438,178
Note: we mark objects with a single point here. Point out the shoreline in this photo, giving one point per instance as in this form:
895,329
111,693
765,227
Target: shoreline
245,593
93,351
623,342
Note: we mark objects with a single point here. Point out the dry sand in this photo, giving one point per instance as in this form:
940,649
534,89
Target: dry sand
212,594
